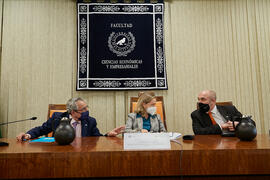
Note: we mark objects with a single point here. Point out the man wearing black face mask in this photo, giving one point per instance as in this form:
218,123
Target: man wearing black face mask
210,118
83,124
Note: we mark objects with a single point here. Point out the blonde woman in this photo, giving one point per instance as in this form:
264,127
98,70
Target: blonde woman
145,119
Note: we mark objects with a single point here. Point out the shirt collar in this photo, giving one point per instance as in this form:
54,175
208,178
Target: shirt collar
73,120
214,110
139,115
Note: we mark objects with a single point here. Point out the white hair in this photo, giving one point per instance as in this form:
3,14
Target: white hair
71,104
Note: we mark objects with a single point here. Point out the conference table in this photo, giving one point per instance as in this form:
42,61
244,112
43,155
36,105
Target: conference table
207,156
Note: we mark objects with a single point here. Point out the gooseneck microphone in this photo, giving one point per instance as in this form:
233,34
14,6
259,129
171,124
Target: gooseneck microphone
32,118
5,143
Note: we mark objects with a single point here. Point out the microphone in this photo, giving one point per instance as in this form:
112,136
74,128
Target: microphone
5,143
32,118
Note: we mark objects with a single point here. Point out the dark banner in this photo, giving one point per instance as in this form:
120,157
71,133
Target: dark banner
120,46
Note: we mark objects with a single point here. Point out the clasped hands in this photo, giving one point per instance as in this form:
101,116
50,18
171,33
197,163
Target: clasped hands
229,125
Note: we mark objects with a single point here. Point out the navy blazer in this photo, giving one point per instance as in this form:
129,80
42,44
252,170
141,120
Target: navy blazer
202,124
89,126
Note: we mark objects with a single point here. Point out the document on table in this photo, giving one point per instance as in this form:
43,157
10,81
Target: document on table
174,135
146,141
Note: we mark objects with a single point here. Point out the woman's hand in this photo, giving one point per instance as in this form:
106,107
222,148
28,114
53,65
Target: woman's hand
144,131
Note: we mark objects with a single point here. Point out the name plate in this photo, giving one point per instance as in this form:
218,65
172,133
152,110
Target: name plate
146,141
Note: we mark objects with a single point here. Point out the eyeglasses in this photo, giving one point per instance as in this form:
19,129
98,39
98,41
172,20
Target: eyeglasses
82,110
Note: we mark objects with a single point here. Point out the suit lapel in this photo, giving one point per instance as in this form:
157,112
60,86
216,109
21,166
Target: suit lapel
152,123
84,125
222,111
140,122
205,118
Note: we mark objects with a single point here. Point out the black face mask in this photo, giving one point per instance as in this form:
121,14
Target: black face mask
204,107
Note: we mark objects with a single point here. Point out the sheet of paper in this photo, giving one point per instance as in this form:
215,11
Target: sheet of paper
174,135
146,141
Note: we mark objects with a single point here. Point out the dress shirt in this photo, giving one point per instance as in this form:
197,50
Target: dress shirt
78,130
218,117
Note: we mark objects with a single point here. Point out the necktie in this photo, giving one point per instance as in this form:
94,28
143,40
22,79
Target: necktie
212,119
77,128
74,124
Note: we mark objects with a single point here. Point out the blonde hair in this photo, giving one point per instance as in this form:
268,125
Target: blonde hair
144,97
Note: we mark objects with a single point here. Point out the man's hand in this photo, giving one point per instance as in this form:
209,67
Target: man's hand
225,125
229,125
231,128
116,131
23,136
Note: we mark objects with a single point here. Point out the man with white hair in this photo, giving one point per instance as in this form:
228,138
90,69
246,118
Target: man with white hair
210,118
83,124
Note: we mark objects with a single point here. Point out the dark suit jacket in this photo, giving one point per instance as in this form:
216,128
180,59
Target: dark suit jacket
89,126
202,124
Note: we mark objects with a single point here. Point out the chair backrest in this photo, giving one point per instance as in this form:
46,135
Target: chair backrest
159,105
225,103
55,108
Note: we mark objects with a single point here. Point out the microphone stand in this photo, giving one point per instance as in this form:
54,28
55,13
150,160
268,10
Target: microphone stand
5,143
